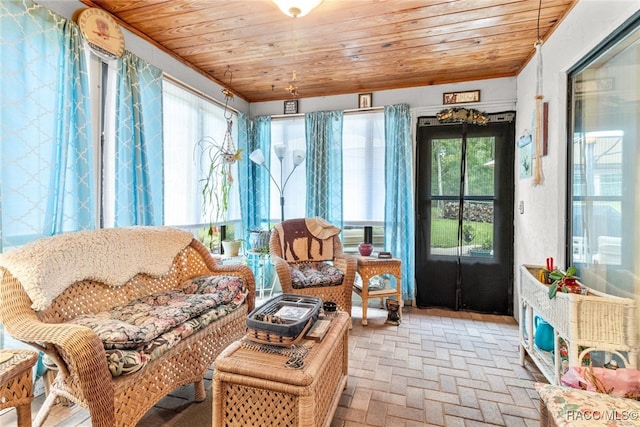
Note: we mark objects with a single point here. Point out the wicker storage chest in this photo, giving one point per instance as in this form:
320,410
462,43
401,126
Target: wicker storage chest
254,388
595,321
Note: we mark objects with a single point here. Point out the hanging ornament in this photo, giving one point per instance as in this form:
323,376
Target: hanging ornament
293,85
228,149
229,152
538,177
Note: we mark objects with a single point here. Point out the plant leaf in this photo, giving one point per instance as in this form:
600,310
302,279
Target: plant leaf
553,290
571,271
556,275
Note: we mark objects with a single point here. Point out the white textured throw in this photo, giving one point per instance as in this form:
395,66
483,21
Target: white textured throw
112,256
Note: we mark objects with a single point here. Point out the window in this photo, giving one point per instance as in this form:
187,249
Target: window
363,160
364,174
603,164
188,118
291,133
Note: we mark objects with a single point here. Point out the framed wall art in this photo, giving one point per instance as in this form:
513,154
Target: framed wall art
291,106
364,100
461,97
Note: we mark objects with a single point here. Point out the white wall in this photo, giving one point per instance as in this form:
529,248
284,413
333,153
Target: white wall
540,230
495,95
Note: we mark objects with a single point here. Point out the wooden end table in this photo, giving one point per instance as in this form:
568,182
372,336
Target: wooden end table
253,386
16,383
368,267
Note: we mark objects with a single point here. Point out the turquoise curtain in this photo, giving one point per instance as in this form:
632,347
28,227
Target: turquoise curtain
399,205
244,172
324,165
139,159
46,156
259,215
256,189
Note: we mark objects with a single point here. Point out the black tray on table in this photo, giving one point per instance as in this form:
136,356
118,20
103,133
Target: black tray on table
294,313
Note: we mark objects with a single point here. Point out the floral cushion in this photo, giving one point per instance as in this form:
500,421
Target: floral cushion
144,329
308,274
581,408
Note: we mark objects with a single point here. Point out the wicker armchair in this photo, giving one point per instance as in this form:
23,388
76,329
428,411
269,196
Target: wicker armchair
286,263
83,375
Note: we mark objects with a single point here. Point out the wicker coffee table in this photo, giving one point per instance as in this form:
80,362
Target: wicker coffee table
16,383
253,387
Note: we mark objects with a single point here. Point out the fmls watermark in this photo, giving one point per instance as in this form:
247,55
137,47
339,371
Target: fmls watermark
607,415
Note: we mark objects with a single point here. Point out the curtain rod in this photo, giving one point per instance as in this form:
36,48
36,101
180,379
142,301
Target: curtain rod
352,110
198,93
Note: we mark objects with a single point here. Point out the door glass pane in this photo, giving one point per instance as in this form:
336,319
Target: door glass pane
479,179
475,237
444,228
477,229
445,166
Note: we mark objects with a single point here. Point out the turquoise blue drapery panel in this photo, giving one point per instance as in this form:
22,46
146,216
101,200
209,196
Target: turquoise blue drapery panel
244,173
139,158
260,181
258,186
399,205
73,181
324,165
46,156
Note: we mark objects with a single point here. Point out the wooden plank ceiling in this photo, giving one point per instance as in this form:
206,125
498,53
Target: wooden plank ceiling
342,46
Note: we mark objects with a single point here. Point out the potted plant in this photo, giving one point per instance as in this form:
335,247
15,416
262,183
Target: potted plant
468,233
484,250
564,282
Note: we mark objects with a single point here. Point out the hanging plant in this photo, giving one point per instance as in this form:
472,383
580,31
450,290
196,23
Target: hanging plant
216,181
217,160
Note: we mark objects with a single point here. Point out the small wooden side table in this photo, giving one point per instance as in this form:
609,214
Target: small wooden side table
368,267
16,383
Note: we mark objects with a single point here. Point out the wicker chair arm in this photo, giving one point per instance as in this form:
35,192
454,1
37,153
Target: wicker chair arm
238,270
78,353
283,270
246,274
346,263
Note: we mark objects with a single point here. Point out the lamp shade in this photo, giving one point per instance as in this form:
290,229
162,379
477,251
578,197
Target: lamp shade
280,149
296,8
256,156
298,157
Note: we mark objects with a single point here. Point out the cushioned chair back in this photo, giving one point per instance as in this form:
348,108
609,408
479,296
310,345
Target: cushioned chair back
308,239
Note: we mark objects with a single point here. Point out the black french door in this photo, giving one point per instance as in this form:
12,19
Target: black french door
464,214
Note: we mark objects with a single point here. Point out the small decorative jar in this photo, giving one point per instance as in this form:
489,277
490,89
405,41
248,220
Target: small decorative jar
365,249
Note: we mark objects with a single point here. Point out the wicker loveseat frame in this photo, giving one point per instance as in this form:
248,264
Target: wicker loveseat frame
83,375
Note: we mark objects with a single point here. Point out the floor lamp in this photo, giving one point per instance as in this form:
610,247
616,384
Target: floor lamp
257,157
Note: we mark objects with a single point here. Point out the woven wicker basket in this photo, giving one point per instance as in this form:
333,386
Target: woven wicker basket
292,330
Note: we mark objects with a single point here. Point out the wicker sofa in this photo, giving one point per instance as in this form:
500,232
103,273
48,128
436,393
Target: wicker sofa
53,288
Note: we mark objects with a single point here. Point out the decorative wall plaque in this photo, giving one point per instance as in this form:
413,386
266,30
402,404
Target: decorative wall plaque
291,106
460,97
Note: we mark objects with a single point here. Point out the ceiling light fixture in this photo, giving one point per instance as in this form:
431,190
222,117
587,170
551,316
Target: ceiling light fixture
296,8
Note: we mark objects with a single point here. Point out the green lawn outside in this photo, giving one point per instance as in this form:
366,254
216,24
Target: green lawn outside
444,233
